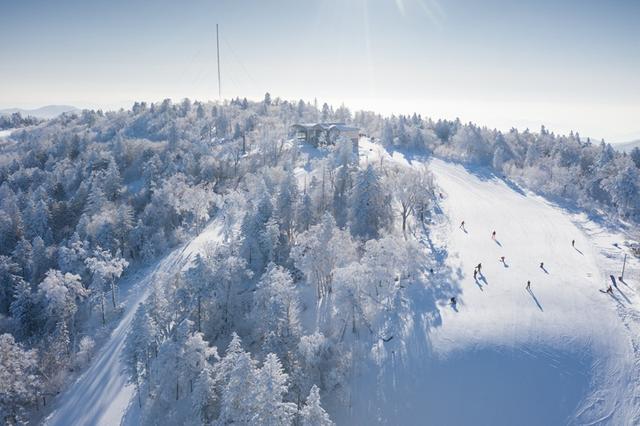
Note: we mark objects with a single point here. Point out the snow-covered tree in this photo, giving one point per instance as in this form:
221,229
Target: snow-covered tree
413,190
60,295
286,204
106,270
238,375
320,250
19,380
24,310
255,248
370,205
270,408
312,414
85,349
140,348
9,279
276,311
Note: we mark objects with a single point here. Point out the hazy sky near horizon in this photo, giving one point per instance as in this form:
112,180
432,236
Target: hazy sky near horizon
568,64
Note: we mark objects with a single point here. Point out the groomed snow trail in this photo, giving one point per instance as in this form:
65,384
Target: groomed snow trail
562,353
101,395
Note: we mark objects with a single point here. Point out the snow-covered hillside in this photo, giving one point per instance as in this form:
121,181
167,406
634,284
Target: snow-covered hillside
101,396
334,284
561,352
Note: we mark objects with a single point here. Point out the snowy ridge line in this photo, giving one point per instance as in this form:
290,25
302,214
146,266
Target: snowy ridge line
103,389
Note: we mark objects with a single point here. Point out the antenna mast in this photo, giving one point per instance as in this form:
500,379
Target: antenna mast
218,51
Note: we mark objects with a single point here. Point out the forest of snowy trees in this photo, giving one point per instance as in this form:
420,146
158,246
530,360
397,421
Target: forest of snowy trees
16,120
590,175
319,247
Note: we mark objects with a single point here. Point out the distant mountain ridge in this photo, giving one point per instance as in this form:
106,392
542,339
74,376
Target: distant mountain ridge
46,112
627,146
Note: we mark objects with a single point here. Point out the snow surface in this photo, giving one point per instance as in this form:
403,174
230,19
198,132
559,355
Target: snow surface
101,395
562,353
5,133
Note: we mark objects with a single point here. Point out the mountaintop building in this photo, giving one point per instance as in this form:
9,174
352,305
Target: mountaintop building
319,134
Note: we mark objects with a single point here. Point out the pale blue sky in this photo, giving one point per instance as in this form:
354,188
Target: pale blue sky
569,64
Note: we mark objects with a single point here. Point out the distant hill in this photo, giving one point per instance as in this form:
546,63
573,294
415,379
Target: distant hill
46,112
627,146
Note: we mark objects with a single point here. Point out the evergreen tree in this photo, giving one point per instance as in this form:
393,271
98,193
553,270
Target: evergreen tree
19,380
370,205
312,414
270,408
9,280
24,310
276,311
238,375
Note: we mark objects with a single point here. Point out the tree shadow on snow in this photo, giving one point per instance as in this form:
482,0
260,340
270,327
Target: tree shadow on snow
485,173
498,243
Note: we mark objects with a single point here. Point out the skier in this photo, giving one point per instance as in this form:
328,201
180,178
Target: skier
528,285
479,267
502,259
573,243
541,265
609,289
493,235
462,225
453,301
431,271
475,274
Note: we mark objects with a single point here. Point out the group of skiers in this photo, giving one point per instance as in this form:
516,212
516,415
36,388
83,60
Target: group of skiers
478,269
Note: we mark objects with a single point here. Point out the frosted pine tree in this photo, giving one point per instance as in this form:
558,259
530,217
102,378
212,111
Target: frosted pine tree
270,408
19,380
24,308
304,216
370,205
239,377
286,204
312,414
9,278
276,309
140,348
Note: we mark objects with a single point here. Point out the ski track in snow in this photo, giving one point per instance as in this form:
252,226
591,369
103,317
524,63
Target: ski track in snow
562,353
101,395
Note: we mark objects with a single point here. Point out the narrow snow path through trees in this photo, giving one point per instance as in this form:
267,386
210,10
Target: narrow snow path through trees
101,395
559,353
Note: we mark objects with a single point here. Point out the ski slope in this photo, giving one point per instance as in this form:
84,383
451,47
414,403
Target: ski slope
562,353
101,395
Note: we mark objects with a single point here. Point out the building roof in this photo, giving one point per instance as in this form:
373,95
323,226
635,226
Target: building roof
324,126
